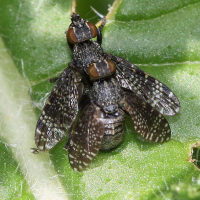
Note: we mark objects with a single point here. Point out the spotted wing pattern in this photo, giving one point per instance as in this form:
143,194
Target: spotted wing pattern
86,139
147,121
59,111
146,87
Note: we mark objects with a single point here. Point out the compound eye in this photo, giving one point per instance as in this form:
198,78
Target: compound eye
71,36
92,71
93,29
101,69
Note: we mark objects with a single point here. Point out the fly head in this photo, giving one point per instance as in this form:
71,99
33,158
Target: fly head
80,30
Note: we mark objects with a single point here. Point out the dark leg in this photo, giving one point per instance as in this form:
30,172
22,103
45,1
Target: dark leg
71,46
35,150
51,80
100,28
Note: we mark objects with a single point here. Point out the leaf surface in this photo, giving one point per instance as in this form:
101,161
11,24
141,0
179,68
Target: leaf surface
161,37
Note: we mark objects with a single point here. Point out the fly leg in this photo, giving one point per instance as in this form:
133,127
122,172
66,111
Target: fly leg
100,28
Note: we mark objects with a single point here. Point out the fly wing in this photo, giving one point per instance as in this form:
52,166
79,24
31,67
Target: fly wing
146,87
86,139
60,109
148,122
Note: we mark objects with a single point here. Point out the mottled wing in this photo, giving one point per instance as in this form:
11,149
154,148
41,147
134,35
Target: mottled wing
60,110
148,122
146,87
86,139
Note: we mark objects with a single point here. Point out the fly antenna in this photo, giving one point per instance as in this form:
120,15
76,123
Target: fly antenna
100,15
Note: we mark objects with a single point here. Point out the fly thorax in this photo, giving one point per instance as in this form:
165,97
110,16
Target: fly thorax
107,94
86,53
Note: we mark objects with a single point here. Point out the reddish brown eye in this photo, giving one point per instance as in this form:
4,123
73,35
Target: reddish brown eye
71,36
112,66
93,29
92,71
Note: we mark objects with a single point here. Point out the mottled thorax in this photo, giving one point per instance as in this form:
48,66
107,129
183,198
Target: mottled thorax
88,52
107,94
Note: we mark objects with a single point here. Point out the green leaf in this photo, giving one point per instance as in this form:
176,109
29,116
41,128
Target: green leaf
187,191
161,37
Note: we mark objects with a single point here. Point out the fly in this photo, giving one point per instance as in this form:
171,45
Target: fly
104,87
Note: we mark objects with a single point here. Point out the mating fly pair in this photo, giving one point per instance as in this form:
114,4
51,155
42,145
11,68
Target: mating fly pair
104,87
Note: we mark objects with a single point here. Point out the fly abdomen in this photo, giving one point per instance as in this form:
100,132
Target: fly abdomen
114,130
107,95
